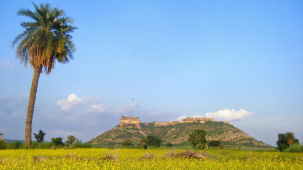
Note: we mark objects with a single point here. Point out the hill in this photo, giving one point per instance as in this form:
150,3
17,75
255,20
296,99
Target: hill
175,132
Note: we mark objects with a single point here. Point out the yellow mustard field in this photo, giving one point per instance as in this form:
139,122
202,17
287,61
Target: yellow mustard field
159,159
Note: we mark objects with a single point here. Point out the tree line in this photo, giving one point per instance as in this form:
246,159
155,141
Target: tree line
71,142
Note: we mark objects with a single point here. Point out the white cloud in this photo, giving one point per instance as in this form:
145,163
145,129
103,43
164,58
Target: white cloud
97,108
80,104
222,115
181,117
229,114
71,101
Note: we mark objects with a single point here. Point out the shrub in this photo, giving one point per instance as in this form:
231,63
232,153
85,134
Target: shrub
294,148
81,145
126,142
198,139
153,141
42,145
39,136
14,145
70,140
2,144
285,140
57,141
169,144
216,143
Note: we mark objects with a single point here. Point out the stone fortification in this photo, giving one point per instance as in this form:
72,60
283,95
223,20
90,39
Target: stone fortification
164,123
185,120
125,121
197,119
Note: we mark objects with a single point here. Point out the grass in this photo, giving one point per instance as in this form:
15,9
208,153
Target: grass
101,158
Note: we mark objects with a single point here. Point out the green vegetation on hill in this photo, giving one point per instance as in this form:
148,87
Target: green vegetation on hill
178,134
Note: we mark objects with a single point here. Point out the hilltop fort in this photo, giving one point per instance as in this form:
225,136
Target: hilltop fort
125,121
131,121
175,132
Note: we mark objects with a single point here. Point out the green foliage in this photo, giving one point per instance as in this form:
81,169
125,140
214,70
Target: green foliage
216,143
39,136
57,141
294,148
143,142
3,144
178,135
153,141
285,140
81,145
169,144
46,37
70,140
42,145
126,142
198,139
14,145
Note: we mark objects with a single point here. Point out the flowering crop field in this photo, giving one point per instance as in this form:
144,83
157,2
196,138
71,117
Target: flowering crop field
146,159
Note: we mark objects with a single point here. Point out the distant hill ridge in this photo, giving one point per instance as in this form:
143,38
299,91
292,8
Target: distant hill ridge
175,132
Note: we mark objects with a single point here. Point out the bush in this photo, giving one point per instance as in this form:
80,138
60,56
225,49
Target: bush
70,140
39,136
126,142
81,145
14,145
3,144
42,145
285,140
294,148
216,143
57,141
198,139
169,144
153,141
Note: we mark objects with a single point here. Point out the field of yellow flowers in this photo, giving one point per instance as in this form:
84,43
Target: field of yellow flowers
147,159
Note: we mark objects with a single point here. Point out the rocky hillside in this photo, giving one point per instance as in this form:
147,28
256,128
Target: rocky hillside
176,133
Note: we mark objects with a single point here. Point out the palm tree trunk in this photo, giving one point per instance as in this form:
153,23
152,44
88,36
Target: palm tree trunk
30,109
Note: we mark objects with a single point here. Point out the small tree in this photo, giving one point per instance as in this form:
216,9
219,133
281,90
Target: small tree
70,140
153,141
39,136
2,144
126,142
216,143
143,143
285,140
198,139
169,144
57,141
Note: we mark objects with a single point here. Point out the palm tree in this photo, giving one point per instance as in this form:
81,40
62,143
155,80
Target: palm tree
45,40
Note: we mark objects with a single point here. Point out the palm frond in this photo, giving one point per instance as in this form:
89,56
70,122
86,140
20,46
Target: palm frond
46,39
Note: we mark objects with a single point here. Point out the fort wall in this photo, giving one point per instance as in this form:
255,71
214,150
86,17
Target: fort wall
125,121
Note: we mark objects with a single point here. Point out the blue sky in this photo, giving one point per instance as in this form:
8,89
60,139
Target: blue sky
243,59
